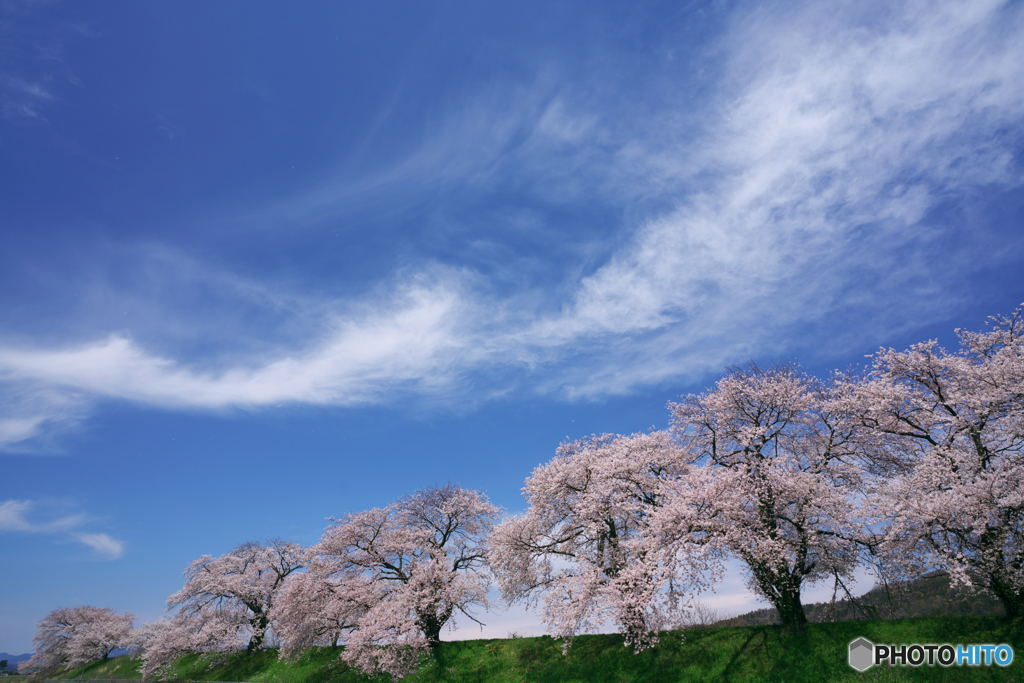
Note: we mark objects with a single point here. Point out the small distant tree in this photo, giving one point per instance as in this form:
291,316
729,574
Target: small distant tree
226,603
74,636
3,664
400,574
959,418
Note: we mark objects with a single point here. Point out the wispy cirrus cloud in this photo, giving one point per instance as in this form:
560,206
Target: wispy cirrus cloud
835,135
14,517
806,195
102,544
21,99
37,410
409,338
31,61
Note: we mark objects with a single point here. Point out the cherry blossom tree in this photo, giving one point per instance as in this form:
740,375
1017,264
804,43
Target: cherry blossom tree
586,546
402,572
225,604
162,642
959,419
74,636
781,462
317,607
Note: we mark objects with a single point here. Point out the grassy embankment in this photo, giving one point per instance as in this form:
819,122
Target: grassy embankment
751,653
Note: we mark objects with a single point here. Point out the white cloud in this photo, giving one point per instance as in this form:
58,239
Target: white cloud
102,544
17,429
833,140
834,132
410,337
13,517
35,410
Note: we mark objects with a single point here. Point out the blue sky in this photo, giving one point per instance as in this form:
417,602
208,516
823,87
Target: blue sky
264,264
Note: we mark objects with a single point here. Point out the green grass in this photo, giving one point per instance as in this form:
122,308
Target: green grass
762,654
316,665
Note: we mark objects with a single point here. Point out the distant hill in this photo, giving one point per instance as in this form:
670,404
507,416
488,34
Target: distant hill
929,596
12,660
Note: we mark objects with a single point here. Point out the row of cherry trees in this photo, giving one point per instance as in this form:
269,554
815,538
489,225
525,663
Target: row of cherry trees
915,465
384,582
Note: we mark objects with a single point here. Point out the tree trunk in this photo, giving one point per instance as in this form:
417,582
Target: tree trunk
1013,602
259,632
431,622
791,610
782,589
431,627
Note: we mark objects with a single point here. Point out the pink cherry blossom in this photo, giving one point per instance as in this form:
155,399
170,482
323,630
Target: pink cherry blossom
75,636
387,580
957,419
585,549
775,463
225,604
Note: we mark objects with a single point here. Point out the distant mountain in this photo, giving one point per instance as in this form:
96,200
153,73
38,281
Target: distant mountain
12,660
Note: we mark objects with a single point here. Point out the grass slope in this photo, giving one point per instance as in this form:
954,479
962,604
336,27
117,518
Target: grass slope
753,653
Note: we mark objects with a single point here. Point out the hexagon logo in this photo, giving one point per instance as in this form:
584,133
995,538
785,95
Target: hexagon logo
862,654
